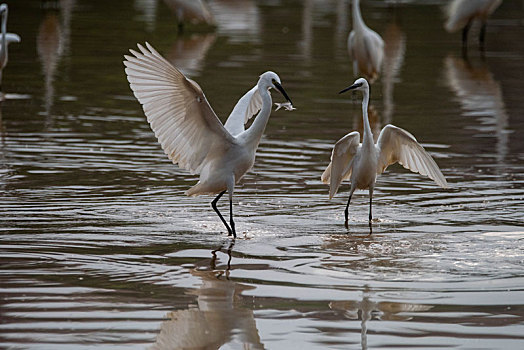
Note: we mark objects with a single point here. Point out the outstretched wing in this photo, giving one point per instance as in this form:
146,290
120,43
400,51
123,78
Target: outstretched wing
246,107
341,161
177,110
397,145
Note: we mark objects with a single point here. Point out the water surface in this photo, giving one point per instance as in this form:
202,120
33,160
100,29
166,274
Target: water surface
101,249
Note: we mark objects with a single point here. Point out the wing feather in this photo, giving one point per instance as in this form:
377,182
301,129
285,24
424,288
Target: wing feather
184,123
398,145
339,168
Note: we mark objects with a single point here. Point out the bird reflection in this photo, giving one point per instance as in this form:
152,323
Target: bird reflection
191,11
49,46
395,48
382,310
365,47
480,96
307,30
148,8
239,20
341,25
218,320
52,43
188,52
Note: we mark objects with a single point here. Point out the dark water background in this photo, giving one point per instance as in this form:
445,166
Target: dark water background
99,248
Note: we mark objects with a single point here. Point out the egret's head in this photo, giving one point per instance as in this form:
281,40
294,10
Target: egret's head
359,84
3,9
272,80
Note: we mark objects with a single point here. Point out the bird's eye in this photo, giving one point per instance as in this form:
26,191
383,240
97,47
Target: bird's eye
273,81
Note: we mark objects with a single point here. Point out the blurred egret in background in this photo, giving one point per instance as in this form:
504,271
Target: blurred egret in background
461,13
188,129
5,40
362,162
365,47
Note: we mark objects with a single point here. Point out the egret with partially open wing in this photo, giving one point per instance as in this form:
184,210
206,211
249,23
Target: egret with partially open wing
188,129
362,162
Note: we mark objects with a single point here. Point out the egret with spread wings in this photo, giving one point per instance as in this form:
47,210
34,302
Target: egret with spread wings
362,162
188,129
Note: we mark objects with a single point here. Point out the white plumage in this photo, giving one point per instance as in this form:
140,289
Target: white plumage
461,13
188,129
362,162
365,46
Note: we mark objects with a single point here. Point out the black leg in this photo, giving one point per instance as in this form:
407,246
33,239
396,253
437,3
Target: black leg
370,204
231,222
465,38
346,212
214,205
482,36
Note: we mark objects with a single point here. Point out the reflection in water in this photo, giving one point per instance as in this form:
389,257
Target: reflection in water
237,19
191,11
341,24
188,53
218,319
307,30
52,42
480,96
49,46
148,9
395,48
383,310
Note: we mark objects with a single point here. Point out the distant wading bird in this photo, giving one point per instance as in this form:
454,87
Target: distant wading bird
461,13
188,129
5,40
362,162
365,47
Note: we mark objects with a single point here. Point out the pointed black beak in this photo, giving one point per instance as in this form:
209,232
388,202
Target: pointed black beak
282,91
354,86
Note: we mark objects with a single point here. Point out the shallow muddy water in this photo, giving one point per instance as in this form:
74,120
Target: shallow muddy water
101,249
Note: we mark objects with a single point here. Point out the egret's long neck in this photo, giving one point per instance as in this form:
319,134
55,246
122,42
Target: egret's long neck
358,22
368,135
254,133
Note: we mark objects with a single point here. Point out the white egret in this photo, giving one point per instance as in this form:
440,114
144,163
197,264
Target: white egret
5,40
365,46
362,162
188,129
461,13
